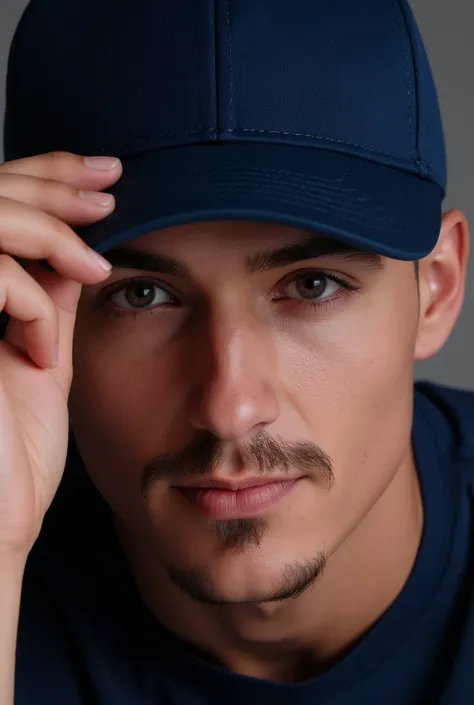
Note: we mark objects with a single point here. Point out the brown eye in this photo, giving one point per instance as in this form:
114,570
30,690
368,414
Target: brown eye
311,286
136,295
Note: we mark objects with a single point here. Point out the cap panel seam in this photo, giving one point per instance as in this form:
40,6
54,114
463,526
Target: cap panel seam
216,73
320,137
404,30
230,60
426,169
237,130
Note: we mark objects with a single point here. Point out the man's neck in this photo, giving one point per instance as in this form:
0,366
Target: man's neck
292,640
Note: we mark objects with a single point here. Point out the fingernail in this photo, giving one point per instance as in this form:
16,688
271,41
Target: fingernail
101,261
102,163
97,198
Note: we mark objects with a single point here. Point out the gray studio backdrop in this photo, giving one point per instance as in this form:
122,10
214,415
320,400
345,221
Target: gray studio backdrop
447,27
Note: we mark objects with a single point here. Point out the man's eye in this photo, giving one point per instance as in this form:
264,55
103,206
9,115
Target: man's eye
312,286
139,294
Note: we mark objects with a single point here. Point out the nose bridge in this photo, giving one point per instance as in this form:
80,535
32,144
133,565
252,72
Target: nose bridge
236,349
235,378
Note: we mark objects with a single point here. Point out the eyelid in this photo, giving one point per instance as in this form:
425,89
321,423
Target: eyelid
117,286
341,279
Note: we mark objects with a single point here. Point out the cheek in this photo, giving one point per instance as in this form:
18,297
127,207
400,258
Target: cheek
361,359
124,412
351,381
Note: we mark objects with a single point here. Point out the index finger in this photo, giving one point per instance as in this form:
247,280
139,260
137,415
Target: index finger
85,173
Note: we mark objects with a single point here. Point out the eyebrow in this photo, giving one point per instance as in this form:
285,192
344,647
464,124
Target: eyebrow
312,247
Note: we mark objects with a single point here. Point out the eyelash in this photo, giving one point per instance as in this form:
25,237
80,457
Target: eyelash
316,304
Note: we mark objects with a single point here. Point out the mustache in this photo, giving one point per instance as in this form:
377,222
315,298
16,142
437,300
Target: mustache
263,452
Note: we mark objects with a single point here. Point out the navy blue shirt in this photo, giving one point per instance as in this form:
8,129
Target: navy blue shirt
85,638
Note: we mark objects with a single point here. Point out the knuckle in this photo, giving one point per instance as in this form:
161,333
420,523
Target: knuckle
58,228
58,190
59,157
61,160
60,232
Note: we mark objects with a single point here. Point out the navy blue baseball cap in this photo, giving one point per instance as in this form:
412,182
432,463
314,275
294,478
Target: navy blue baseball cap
321,114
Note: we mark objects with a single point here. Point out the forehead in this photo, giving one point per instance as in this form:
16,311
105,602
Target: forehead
257,245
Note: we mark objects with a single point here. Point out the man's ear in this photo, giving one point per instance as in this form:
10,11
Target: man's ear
442,280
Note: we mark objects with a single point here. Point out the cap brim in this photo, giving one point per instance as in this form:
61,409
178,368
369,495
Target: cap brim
367,205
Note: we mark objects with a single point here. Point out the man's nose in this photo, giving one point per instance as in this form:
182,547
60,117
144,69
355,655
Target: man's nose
234,391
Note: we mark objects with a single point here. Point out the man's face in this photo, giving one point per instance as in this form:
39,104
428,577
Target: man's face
242,359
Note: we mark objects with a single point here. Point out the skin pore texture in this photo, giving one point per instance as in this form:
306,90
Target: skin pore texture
234,351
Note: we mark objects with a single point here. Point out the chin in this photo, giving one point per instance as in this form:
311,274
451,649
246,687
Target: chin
247,576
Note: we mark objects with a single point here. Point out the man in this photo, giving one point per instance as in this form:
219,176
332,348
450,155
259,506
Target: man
257,504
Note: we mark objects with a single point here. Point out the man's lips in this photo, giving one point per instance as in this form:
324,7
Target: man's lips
221,499
217,483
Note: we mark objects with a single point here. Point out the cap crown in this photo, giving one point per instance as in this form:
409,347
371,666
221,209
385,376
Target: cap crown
127,76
